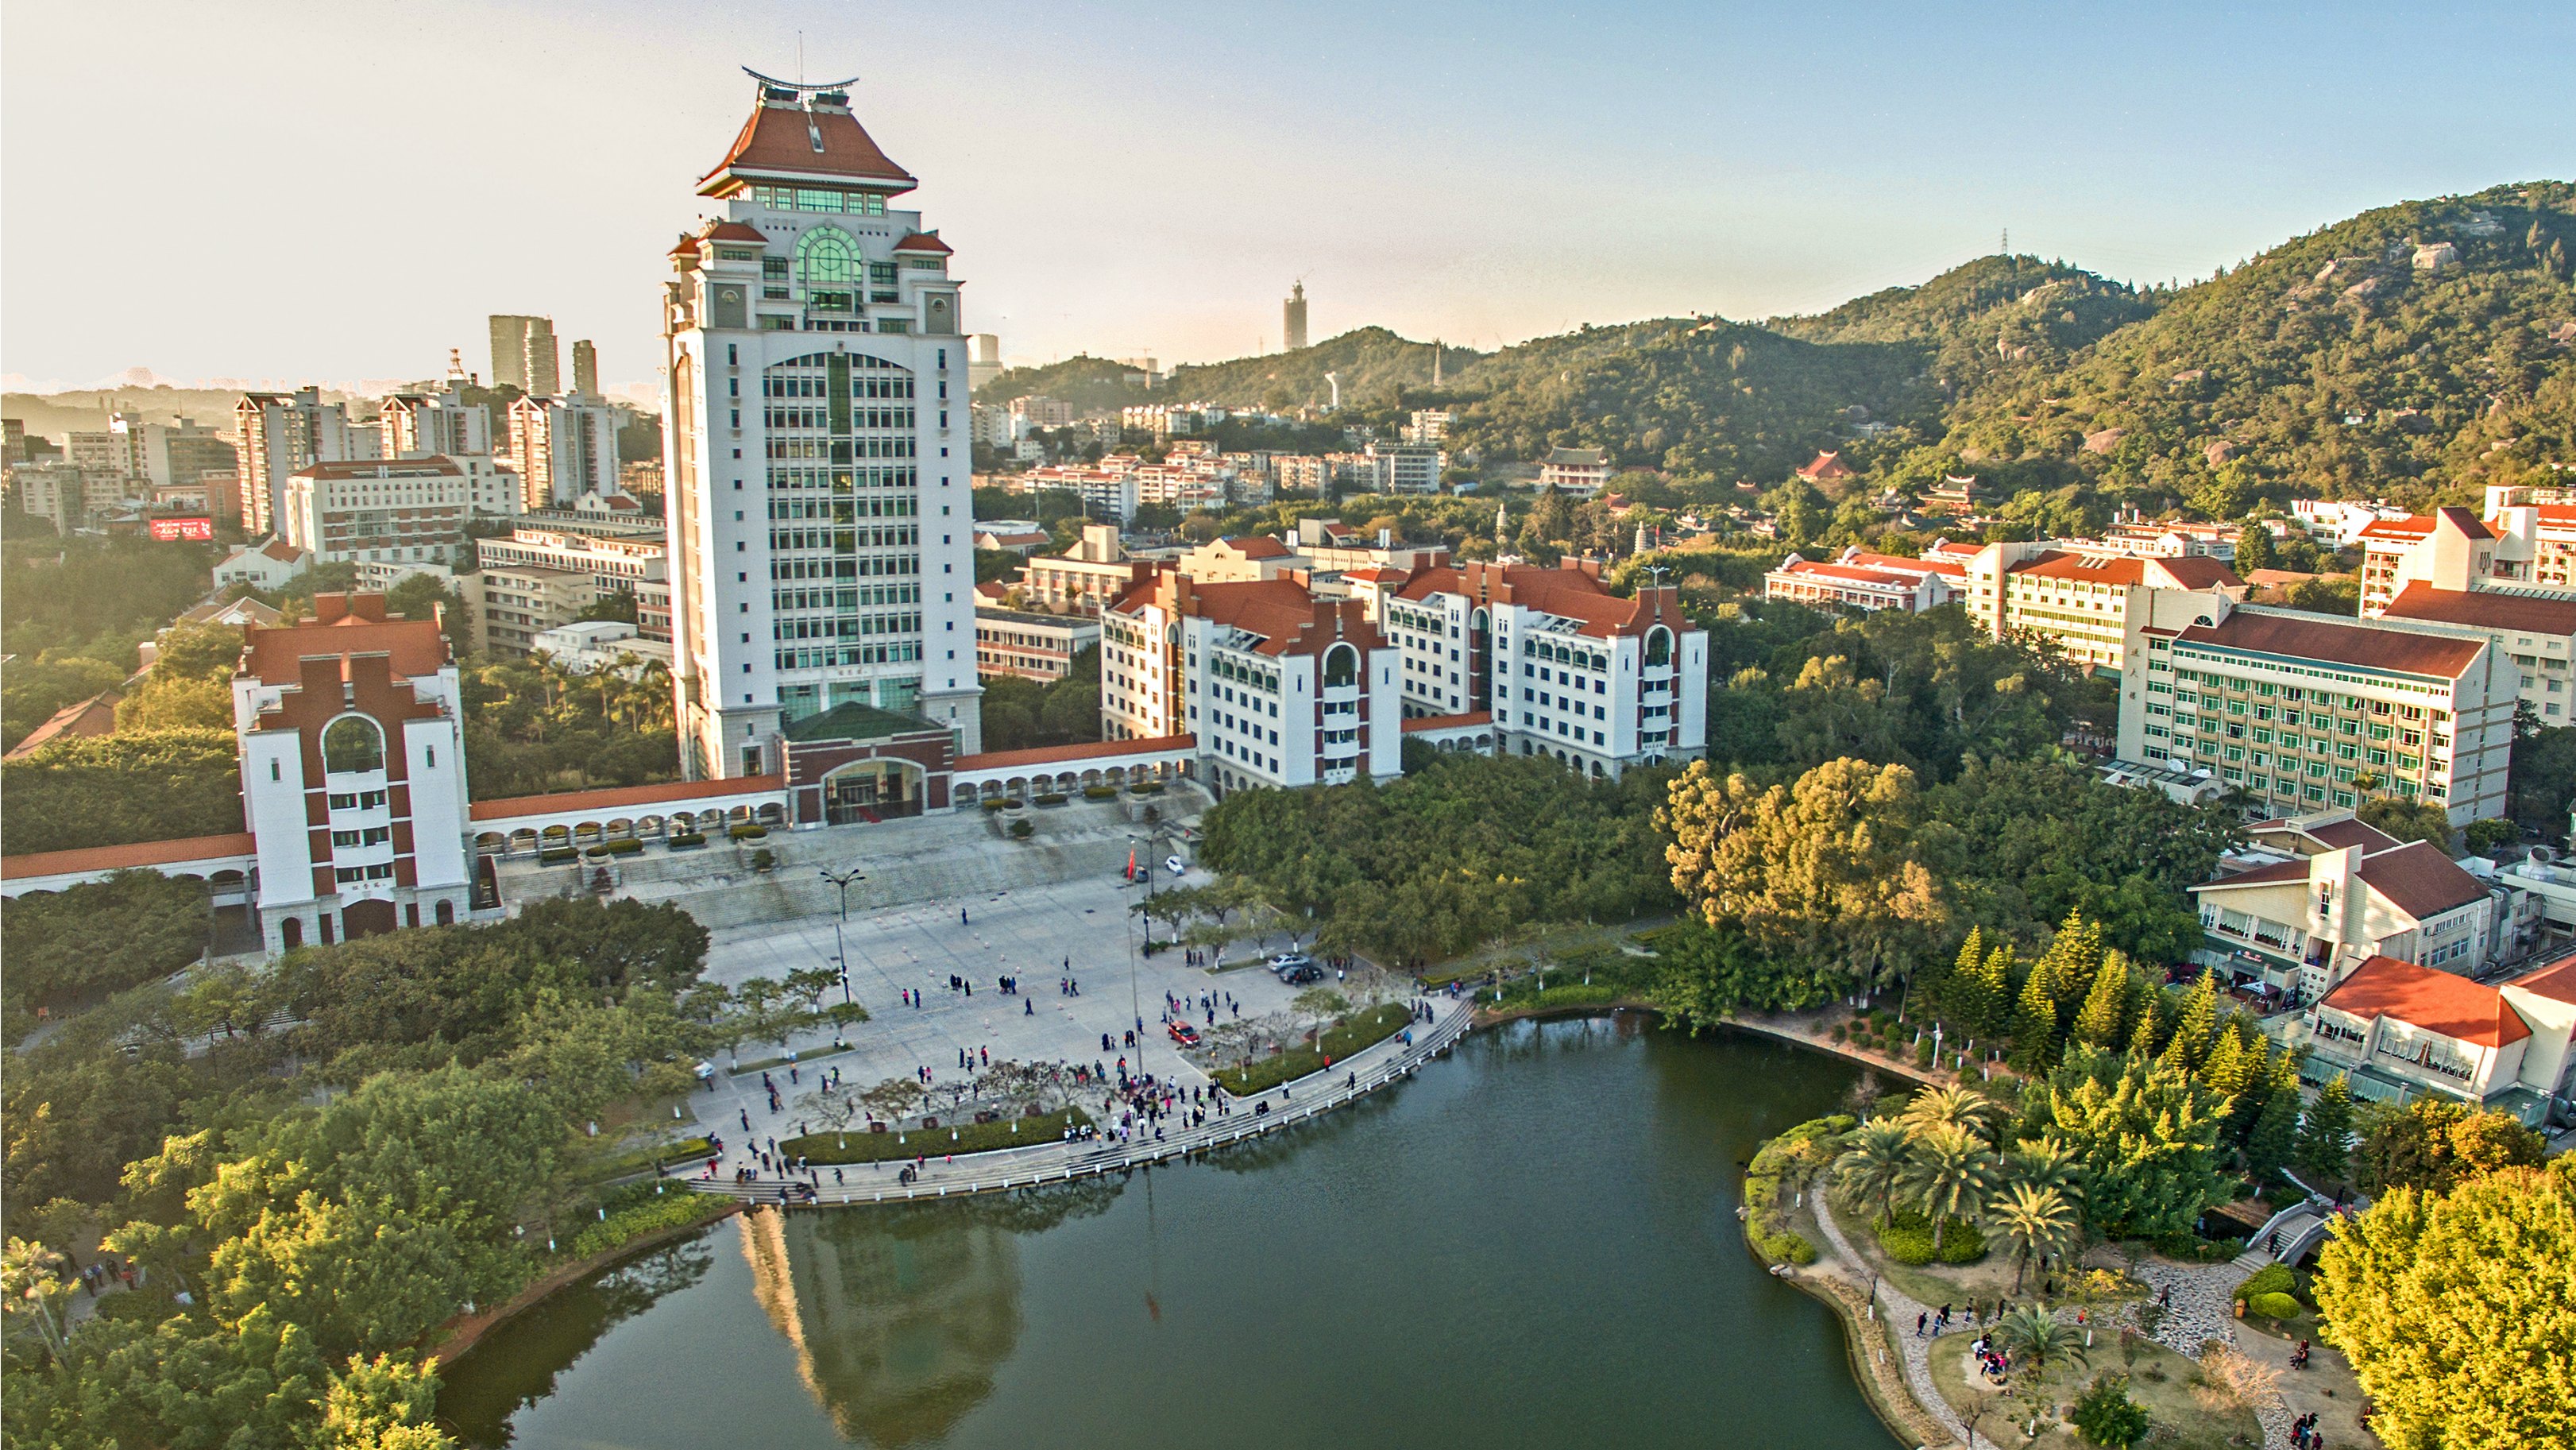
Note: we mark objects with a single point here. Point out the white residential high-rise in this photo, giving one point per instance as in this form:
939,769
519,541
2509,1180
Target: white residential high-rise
816,451
419,423
274,434
564,447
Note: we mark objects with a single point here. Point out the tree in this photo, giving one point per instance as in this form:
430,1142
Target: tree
2325,1134
2148,1142
114,790
1950,1175
2044,1163
2254,549
382,1404
2034,1029
2039,1336
2274,1139
2194,1025
2101,1019
2409,820
1818,870
2435,1144
2034,1223
2106,1416
1952,1107
1872,1168
2482,837
2458,1310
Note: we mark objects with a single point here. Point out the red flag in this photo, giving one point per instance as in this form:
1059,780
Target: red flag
1131,863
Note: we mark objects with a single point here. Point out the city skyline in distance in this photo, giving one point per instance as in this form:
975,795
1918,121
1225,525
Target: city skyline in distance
1480,176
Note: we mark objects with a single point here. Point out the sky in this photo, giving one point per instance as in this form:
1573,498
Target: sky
277,191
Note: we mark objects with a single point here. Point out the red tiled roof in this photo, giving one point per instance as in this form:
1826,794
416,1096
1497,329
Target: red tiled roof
1065,754
119,858
615,797
923,242
1257,546
1377,575
2351,643
1903,565
2532,614
91,717
415,645
2400,531
282,551
733,231
793,141
1565,593
1851,572
2278,871
1827,464
2199,571
2467,522
2421,880
1279,610
2557,981
1448,722
2434,1001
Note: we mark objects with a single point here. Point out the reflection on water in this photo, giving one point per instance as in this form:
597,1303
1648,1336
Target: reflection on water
900,1316
515,1365
1532,1244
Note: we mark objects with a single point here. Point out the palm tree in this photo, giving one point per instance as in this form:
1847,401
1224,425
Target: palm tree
2034,1221
1872,1170
2045,1163
1950,1107
1951,1174
2039,1336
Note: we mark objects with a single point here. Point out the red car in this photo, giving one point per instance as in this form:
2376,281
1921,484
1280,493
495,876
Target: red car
1184,1034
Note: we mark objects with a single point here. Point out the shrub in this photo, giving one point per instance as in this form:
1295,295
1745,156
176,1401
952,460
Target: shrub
687,839
556,855
747,832
2108,1417
997,805
2270,1279
1100,792
1907,1238
1147,787
1022,830
1923,1053
2274,1306
623,846
1052,798
1784,1247
763,859
1841,1032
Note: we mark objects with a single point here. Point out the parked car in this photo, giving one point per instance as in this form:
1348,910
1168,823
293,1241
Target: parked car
1300,975
1176,866
1184,1034
1285,960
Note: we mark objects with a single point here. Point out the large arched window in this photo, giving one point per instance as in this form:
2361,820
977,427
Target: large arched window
1341,667
1659,646
829,265
353,743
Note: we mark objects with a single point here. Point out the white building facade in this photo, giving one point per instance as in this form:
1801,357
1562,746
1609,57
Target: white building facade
816,446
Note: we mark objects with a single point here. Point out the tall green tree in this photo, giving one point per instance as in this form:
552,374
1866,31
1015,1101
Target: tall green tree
2033,1222
1872,1168
2458,1310
2194,1026
2325,1133
2034,1028
1950,1174
2101,1020
2148,1140
2274,1138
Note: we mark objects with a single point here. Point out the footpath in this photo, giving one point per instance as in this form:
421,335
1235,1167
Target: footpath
1293,1102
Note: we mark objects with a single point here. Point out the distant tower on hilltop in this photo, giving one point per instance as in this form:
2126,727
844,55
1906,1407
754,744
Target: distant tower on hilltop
1292,332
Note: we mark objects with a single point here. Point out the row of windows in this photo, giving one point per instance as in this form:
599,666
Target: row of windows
842,450
370,836
844,510
845,626
815,198
845,480
864,383
349,875
873,566
881,536
813,657
855,598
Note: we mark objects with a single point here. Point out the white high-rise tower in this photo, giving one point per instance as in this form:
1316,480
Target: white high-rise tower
815,445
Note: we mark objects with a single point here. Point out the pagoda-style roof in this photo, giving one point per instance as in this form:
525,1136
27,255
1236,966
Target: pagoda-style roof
805,137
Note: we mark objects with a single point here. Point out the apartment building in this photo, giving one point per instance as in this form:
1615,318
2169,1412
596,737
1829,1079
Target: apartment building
1032,646
2081,603
275,434
442,423
1278,687
2536,631
410,510
1562,666
2398,1031
1406,467
2316,895
1858,579
616,555
2306,711
1087,580
517,602
564,447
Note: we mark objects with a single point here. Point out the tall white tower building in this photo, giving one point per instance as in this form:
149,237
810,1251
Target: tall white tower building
816,448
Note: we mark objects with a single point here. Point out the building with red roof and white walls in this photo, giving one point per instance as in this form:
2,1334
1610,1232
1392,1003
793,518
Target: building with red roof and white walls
352,773
2398,1031
1563,666
816,451
2082,602
1279,687
1857,579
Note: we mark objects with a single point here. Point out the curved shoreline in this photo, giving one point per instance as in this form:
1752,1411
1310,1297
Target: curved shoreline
460,1334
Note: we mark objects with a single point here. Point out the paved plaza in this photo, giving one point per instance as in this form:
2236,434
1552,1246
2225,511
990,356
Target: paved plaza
1031,932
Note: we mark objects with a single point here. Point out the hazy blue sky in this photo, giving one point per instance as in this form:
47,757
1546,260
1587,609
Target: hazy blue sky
264,189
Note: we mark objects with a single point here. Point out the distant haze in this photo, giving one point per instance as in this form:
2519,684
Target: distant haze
271,191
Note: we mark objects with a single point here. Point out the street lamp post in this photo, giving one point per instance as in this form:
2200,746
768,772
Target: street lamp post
840,957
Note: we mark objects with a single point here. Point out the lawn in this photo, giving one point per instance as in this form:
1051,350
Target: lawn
2159,1380
866,1147
641,1160
1339,1041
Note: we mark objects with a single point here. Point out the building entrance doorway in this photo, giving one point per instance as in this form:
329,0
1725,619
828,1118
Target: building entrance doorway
872,790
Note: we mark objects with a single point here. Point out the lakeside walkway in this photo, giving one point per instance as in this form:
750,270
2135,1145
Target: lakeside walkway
1295,1102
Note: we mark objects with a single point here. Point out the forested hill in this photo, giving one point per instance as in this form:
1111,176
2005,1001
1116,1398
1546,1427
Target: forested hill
2353,358
2419,350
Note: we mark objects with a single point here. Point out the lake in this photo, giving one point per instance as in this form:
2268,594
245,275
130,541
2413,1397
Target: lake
1533,1242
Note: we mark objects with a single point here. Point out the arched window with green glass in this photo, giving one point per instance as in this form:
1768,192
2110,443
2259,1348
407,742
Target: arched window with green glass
829,265
353,743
